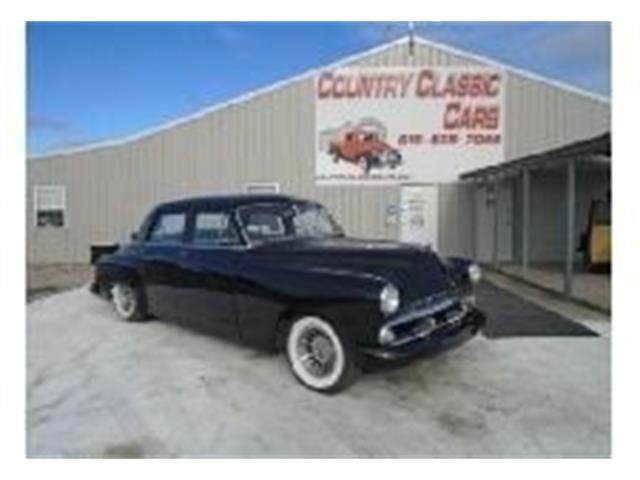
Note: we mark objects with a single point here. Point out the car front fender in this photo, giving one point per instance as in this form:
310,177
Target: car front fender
350,300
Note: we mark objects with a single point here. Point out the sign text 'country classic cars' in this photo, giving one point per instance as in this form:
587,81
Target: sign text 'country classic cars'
393,125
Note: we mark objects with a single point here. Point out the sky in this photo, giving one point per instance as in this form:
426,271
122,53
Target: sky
90,82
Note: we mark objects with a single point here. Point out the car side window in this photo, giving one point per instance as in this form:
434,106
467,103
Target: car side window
214,228
168,228
264,224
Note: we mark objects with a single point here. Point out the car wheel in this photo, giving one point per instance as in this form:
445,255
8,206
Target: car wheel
369,165
366,163
318,356
128,301
394,161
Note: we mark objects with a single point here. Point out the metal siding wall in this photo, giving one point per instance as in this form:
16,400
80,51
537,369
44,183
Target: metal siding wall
270,137
455,218
541,117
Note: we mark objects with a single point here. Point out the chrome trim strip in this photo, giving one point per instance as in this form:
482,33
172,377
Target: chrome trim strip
437,305
427,332
422,312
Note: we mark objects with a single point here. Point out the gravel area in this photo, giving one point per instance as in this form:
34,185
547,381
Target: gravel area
100,387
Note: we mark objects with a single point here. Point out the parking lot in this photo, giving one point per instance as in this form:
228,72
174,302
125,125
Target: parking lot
101,387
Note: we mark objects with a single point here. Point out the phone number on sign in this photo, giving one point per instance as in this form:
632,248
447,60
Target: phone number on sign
450,139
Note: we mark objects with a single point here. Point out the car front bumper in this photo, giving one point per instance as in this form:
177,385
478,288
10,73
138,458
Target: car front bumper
439,341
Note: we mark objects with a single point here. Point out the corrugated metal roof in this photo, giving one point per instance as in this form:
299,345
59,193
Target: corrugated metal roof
600,145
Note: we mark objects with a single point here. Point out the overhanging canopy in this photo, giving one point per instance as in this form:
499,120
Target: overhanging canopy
594,149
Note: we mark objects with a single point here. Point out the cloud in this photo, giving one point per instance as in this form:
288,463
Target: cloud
579,53
575,52
464,34
227,33
47,123
455,33
371,33
577,42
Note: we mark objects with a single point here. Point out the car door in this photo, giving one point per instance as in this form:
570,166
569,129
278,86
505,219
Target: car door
208,267
160,254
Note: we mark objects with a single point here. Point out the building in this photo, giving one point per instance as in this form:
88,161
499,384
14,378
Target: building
446,190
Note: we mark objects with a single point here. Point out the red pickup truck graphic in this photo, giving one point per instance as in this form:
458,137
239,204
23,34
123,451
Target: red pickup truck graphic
366,149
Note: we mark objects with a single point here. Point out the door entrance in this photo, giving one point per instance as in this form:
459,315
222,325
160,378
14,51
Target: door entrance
488,201
419,214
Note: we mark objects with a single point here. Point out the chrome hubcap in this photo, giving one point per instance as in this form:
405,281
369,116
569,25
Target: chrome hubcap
124,299
317,352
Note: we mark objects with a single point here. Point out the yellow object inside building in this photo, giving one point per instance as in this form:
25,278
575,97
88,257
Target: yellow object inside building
600,244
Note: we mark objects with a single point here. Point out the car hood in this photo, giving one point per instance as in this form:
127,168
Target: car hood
415,270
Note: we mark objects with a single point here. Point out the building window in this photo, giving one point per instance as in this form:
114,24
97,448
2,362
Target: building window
261,187
50,205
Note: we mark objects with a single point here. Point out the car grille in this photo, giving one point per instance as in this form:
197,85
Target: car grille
426,316
438,303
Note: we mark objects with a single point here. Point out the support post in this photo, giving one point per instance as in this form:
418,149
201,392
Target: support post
526,217
496,222
474,221
571,219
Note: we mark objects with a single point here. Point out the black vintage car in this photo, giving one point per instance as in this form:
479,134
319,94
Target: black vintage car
279,273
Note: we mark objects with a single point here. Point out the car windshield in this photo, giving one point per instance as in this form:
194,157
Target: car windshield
278,221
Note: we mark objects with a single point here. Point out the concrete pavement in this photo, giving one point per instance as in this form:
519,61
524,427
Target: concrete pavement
100,387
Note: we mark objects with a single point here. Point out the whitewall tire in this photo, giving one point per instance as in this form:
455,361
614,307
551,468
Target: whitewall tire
318,356
128,302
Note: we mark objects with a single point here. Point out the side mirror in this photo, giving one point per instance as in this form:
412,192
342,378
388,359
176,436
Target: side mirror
134,236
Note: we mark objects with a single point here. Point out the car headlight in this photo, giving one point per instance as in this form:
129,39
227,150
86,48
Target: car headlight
389,299
474,272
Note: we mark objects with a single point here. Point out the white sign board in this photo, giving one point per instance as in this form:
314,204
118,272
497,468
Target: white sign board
386,125
419,215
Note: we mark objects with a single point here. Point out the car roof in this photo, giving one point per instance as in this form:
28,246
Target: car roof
230,201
